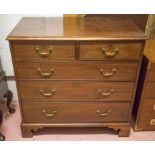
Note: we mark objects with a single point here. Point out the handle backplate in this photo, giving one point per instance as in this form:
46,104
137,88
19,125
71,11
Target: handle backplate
46,74
105,93
105,113
47,93
44,53
106,73
110,54
49,113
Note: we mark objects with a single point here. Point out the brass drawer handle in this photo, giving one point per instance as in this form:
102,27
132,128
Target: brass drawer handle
49,114
152,122
108,74
47,94
105,93
44,54
108,112
110,54
45,74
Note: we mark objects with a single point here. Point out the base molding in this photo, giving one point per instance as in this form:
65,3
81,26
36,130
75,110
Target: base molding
28,129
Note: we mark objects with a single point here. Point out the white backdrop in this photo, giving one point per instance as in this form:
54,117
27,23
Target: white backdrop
7,23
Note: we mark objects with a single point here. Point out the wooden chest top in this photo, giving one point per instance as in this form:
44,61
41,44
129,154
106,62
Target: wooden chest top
76,28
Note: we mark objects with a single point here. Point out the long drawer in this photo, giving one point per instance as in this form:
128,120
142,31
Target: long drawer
44,51
41,112
78,70
75,91
110,51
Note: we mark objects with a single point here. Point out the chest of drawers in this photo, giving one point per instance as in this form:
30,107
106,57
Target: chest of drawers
144,104
76,72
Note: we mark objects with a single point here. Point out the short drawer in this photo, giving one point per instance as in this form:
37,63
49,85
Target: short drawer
40,51
110,51
75,70
148,106
150,90
75,91
41,112
146,122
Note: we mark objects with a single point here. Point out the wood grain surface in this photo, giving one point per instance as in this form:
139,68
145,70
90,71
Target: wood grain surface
75,112
75,54
76,28
104,71
94,51
26,51
76,91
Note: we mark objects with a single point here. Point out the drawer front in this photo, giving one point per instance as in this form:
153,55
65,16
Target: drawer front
152,73
148,106
84,70
150,90
147,122
103,51
75,91
44,51
75,112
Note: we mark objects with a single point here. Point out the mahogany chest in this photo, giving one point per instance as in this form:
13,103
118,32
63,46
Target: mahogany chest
76,71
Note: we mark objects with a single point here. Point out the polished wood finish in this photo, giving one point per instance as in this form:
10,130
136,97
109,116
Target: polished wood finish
59,51
94,51
144,105
75,91
147,125
78,28
29,129
150,89
149,50
88,70
88,112
150,54
139,19
80,85
151,76
148,106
